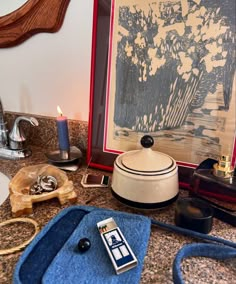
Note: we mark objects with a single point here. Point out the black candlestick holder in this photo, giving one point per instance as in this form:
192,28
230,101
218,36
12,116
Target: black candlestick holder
64,156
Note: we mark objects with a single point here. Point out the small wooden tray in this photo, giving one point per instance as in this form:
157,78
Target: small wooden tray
20,198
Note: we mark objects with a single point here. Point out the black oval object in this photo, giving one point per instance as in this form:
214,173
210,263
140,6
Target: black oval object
84,244
194,214
147,141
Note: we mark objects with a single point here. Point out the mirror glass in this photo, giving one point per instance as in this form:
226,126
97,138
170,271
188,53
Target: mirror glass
6,7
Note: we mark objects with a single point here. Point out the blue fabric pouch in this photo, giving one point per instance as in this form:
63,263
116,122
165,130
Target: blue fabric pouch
53,257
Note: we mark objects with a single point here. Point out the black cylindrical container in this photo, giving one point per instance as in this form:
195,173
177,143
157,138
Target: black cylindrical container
194,214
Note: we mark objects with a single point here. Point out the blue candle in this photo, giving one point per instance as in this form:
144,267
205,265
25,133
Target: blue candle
62,131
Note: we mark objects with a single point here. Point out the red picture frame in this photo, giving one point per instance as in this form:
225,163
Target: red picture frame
96,156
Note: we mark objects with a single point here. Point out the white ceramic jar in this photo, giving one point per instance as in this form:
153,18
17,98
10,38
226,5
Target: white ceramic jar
145,178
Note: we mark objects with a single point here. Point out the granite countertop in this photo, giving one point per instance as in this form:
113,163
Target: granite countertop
163,245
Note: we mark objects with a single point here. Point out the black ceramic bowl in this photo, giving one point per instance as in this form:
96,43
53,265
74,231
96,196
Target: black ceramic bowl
194,214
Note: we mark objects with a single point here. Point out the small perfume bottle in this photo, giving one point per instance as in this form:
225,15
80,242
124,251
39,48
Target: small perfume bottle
223,168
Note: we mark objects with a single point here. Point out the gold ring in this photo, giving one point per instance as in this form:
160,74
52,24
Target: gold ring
25,243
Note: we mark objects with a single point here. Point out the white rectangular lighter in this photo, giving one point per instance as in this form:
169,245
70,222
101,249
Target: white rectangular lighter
120,253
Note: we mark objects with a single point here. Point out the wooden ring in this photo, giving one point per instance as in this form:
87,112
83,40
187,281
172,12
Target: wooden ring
25,243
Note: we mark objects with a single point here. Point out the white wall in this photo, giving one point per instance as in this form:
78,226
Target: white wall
51,69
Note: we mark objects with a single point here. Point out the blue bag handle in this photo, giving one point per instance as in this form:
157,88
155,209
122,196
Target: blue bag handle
218,248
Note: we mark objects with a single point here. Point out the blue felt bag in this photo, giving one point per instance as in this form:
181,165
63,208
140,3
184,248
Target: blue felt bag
52,257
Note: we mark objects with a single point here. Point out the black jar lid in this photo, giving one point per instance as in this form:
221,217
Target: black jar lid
194,214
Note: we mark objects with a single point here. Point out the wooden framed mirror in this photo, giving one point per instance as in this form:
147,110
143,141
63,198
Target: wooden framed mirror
35,16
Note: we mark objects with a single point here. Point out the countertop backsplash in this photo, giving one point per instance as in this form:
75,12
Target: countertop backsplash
45,134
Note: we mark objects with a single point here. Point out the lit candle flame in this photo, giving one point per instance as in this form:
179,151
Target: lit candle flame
59,110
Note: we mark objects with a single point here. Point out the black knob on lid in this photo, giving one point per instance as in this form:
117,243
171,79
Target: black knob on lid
147,141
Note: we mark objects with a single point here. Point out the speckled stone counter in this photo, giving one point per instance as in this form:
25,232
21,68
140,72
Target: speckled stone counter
163,245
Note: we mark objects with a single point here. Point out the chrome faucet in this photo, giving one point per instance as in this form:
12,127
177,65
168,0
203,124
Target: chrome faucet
13,144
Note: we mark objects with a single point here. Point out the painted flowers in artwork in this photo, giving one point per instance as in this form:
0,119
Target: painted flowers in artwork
171,55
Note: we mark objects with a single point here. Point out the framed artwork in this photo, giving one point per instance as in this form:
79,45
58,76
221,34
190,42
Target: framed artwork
167,69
